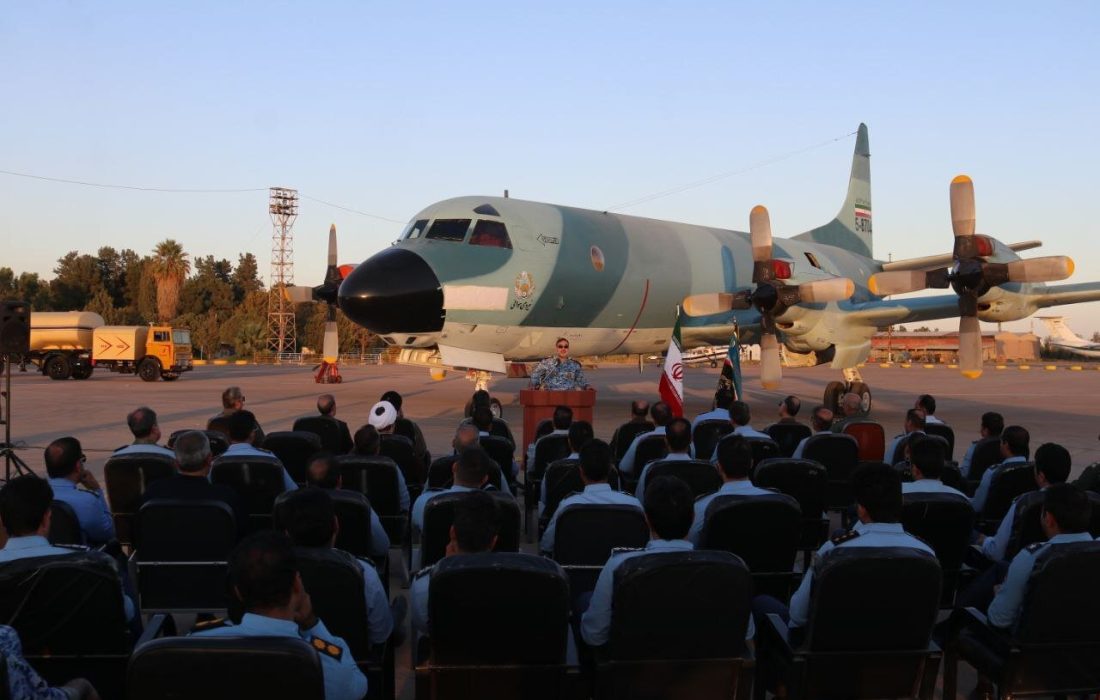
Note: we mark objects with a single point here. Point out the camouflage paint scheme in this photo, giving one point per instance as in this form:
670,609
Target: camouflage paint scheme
512,304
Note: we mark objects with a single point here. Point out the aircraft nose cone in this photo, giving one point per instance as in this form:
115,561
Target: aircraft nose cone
394,291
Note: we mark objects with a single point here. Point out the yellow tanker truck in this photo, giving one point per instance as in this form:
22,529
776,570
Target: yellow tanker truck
73,343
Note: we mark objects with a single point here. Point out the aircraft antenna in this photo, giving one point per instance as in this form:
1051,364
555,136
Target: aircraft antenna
283,208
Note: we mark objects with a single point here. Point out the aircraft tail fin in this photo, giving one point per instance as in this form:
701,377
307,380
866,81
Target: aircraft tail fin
1058,329
851,229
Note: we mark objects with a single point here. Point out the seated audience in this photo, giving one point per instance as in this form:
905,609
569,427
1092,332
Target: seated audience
661,415
927,403
1015,449
326,406
740,418
914,425
192,481
471,473
406,427
721,411
735,468
580,433
65,468
851,411
143,425
242,432
324,473
678,436
926,461
561,420
232,402
822,423
368,443
992,425
789,408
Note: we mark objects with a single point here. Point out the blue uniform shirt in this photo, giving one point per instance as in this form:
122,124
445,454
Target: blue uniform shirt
929,486
138,448
418,600
90,508
870,535
964,465
542,484
558,375
716,414
1005,608
593,494
343,679
596,622
639,492
729,488
742,430
798,451
996,546
243,449
422,502
982,492
379,617
626,463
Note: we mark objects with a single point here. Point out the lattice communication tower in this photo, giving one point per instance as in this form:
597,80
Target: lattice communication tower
283,207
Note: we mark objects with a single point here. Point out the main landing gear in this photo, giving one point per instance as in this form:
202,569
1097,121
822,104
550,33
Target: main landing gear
853,383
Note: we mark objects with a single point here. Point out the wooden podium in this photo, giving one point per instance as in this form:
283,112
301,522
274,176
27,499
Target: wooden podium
539,404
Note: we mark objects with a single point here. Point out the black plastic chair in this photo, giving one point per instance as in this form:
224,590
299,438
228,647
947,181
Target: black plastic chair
861,641
181,550
487,640
1054,648
377,478
945,432
763,531
807,482
624,435
69,615
585,535
549,448
353,513
1008,482
501,451
257,480
678,628
698,474
441,474
1026,528
439,515
333,434
788,435
839,454
944,521
225,668
126,477
64,525
987,453
294,448
219,441
706,435
400,449
562,477
650,448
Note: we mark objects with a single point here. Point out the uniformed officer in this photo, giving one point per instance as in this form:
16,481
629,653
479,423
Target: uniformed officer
265,577
65,467
559,372
668,510
471,472
242,430
678,437
992,425
580,433
822,422
474,530
734,466
926,460
142,423
914,425
595,458
1015,448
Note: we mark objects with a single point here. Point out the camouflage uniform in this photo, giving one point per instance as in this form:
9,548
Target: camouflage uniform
558,375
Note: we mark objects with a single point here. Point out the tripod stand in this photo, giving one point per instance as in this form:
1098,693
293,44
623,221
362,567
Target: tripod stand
7,450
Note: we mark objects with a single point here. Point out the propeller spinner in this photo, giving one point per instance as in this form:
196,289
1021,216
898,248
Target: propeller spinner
771,296
970,276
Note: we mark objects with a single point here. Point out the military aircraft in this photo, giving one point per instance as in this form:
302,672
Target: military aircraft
1062,338
476,282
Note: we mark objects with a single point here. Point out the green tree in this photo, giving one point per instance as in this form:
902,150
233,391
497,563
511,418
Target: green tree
1096,337
102,304
251,338
7,283
169,268
76,282
246,277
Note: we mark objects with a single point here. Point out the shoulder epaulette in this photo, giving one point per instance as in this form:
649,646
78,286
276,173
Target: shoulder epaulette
74,547
423,572
846,537
323,646
211,624
1034,547
624,550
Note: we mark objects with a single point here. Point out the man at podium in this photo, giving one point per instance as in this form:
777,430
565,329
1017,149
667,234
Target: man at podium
559,372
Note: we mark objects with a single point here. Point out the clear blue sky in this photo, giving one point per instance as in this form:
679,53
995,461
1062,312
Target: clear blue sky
385,108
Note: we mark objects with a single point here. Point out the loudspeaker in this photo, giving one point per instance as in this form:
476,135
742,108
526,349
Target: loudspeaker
15,327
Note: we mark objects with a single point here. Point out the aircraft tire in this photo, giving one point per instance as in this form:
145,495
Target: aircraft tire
834,391
864,392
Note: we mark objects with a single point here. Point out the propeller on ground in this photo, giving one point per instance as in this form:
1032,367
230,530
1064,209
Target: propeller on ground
771,296
325,293
970,276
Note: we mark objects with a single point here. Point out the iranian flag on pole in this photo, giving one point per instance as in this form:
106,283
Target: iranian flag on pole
672,378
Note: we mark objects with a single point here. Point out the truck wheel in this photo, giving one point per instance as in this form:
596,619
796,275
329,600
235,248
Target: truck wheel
81,369
58,367
149,370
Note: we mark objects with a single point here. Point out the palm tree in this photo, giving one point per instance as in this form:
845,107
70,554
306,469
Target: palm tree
170,267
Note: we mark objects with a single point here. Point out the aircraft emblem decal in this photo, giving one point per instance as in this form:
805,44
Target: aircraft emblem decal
544,239
863,216
525,285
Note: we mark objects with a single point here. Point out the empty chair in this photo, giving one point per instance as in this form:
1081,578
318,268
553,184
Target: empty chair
126,477
294,448
333,434
181,550
401,450
944,431
439,514
1054,647
788,435
1008,482
487,639
807,482
225,668
64,525
257,481
839,454
354,515
706,434
870,437
379,479
869,628
764,531
944,521
587,533
678,628
699,475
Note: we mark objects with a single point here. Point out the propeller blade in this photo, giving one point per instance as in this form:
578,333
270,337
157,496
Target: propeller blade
331,348
821,291
332,246
771,369
962,206
707,304
1048,269
970,347
760,230
298,294
897,282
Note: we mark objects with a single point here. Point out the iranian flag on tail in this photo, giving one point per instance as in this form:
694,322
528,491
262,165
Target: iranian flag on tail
672,378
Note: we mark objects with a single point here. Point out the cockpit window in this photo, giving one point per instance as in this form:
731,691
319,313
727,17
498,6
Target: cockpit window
492,234
448,230
415,229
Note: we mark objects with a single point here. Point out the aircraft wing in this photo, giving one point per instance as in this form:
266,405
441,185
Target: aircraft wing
1068,294
889,312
